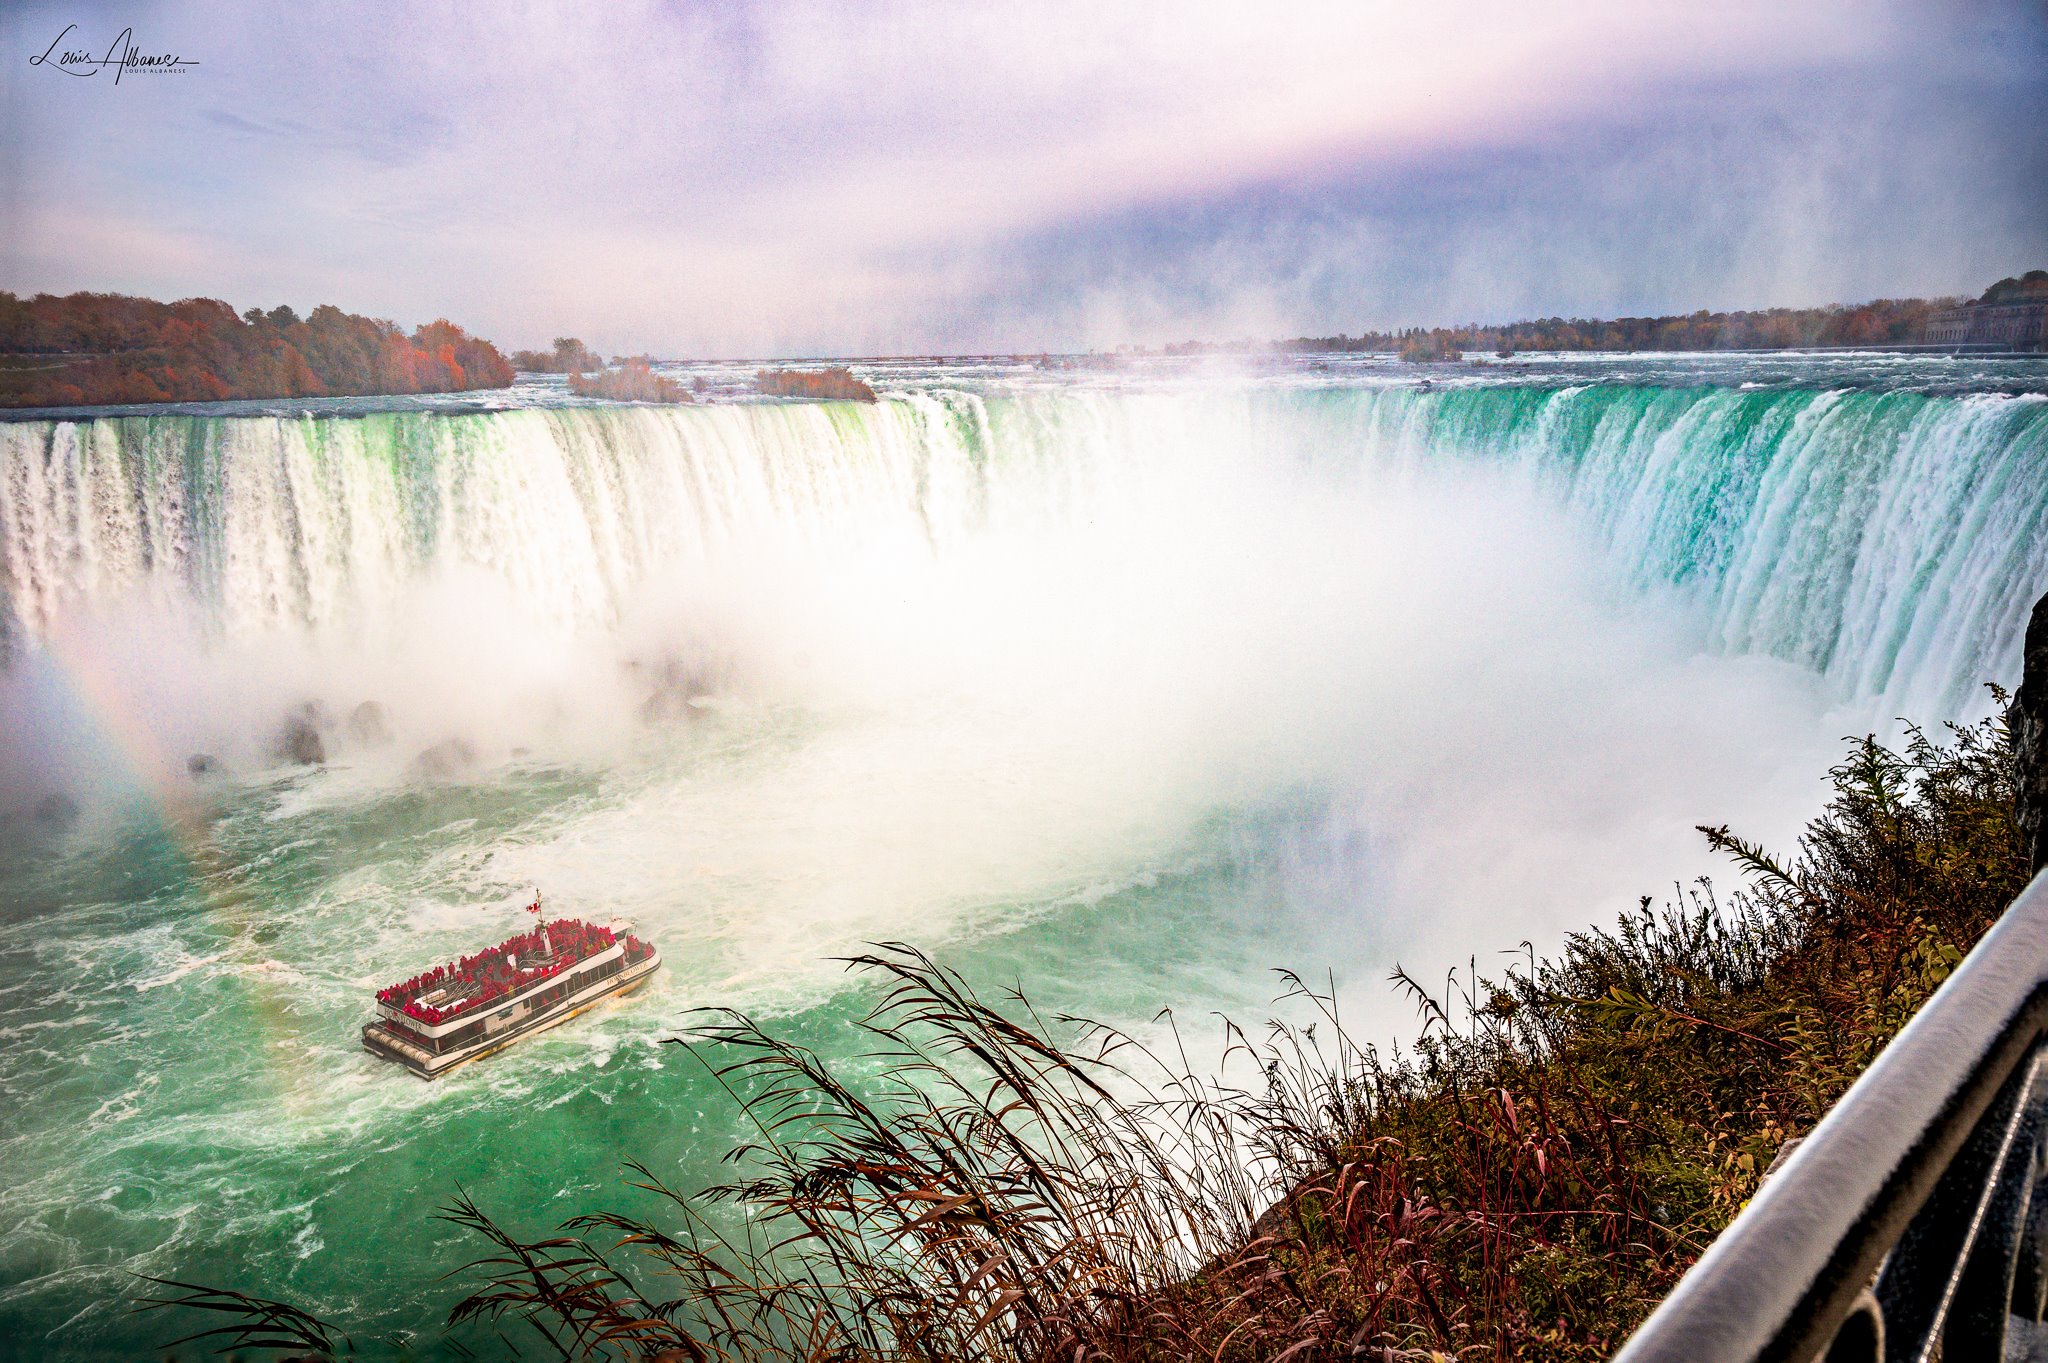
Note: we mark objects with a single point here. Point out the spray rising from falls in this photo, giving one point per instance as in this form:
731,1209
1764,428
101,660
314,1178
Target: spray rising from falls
1889,541
1126,694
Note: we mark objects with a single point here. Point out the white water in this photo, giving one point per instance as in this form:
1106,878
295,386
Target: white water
1012,644
1131,694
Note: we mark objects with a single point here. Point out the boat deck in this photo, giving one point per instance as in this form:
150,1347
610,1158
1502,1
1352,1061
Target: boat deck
381,1040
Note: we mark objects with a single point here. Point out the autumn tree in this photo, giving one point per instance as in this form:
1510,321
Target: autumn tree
89,349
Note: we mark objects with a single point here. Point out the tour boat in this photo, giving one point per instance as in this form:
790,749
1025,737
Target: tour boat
480,1004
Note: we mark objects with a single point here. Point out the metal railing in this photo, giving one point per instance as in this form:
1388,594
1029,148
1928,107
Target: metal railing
1912,1224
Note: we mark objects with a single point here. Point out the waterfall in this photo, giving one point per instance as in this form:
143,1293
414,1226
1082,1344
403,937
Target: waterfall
1891,541
1125,689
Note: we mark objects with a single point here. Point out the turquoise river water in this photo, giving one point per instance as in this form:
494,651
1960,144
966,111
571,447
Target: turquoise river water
1125,683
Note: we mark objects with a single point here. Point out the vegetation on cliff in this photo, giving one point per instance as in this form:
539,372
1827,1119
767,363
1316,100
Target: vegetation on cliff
835,382
100,348
2018,289
569,356
632,381
1524,1182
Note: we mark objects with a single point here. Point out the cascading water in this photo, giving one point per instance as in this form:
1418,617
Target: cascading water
1889,540
1126,690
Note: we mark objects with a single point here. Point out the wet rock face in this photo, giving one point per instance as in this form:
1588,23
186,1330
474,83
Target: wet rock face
370,725
444,761
301,741
675,687
2030,735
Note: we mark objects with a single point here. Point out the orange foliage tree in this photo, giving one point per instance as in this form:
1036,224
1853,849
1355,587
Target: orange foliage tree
99,348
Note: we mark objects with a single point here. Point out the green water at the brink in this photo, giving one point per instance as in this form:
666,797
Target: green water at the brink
1128,691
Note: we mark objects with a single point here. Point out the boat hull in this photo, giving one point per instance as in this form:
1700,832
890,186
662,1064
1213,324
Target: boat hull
432,1065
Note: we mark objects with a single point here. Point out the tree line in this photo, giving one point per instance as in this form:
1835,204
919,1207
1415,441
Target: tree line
89,349
1884,321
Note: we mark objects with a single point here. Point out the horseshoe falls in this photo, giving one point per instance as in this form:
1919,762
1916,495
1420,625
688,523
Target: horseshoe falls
1129,686
1886,540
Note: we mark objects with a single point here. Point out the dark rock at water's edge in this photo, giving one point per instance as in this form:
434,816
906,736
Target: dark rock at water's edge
301,741
369,724
445,760
675,687
57,811
2030,738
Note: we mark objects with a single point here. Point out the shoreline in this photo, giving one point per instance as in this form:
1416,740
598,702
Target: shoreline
1550,370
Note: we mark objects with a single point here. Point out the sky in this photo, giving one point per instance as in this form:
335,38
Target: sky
747,179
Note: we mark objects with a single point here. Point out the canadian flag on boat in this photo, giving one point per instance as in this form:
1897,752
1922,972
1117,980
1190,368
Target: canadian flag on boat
534,907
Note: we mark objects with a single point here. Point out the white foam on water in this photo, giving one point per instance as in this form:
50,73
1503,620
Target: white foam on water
1318,678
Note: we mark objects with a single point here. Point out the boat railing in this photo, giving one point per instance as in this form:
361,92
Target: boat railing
1912,1224
474,1012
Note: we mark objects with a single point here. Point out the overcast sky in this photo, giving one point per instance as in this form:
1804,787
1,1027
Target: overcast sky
863,178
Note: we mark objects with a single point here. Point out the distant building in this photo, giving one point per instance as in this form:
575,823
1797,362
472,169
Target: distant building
2012,312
